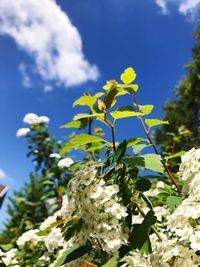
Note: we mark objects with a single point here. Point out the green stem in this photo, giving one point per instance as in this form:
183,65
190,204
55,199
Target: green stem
172,179
112,131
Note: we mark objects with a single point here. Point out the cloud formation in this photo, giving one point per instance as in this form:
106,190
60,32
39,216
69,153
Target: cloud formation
26,80
163,6
3,175
185,7
45,32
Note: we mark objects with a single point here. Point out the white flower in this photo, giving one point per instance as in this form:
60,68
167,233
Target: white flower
31,118
195,241
111,189
120,212
95,191
43,119
22,132
66,162
55,155
112,240
30,235
111,206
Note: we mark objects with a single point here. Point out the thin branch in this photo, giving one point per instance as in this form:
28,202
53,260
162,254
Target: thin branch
172,179
113,132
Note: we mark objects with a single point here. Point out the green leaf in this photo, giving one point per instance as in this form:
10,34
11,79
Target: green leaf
72,124
140,234
48,182
81,140
133,141
146,248
2,264
85,100
61,260
173,202
124,114
154,122
128,76
72,254
85,115
121,150
110,84
139,147
146,109
145,198
112,262
48,229
142,185
153,162
109,98
132,88
178,154
71,227
147,161
6,247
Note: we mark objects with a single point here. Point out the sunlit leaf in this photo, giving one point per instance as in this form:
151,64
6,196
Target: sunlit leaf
173,201
109,84
146,109
155,122
134,141
6,247
176,155
85,100
128,76
81,140
139,147
85,115
72,124
147,161
124,114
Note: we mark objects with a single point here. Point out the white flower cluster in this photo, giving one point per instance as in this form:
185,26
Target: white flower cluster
136,260
181,238
30,119
9,257
98,207
65,163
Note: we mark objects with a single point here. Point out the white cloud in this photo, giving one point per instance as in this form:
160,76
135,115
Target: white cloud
189,7
47,88
185,7
45,33
3,175
163,6
26,80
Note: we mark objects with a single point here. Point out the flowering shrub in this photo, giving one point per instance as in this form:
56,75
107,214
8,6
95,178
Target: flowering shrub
114,212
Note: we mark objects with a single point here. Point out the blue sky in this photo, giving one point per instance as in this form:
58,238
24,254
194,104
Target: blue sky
51,52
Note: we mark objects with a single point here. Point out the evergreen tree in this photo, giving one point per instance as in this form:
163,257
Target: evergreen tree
183,113
42,194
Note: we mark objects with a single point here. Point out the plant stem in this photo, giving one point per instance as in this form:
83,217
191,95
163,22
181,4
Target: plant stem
113,132
172,179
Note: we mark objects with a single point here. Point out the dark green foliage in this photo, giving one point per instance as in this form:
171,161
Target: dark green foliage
42,194
183,113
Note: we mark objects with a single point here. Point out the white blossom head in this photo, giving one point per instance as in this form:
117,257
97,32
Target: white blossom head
22,132
43,119
31,118
65,163
55,155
